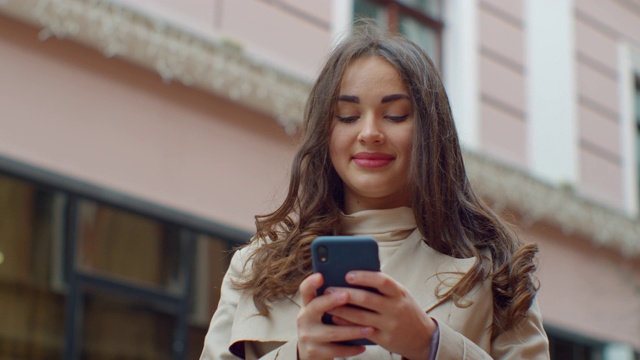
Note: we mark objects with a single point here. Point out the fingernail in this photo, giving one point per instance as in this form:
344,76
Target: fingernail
367,330
330,291
351,277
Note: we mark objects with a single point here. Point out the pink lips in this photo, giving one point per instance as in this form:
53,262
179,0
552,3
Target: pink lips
372,160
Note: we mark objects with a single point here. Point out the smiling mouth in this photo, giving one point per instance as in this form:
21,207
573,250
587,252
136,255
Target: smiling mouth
372,160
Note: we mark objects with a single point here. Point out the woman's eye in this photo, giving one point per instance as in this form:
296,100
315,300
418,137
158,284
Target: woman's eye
397,118
347,119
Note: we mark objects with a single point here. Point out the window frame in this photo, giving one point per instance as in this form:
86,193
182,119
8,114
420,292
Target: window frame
395,8
76,284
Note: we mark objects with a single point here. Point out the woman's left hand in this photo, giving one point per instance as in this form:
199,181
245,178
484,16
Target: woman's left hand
402,327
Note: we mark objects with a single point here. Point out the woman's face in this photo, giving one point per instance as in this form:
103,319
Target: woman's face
371,136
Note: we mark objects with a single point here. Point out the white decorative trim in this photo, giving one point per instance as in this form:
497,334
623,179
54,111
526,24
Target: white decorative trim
460,68
629,67
341,19
227,72
618,351
552,115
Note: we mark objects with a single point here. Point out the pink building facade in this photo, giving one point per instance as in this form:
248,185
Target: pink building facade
139,138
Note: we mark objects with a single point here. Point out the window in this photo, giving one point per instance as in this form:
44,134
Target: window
567,346
88,274
418,20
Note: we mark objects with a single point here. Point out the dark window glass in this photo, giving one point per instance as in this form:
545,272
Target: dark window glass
564,346
32,310
370,10
128,247
422,35
429,7
123,328
212,257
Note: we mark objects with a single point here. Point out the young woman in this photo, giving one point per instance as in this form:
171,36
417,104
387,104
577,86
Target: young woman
380,157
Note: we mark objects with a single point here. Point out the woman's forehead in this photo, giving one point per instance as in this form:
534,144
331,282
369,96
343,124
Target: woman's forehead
371,73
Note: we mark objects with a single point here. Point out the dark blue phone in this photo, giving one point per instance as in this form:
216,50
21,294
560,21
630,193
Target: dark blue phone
335,256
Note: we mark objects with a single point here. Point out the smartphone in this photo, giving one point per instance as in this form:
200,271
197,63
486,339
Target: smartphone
335,256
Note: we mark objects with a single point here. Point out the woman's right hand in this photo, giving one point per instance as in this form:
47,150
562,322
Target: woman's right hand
315,339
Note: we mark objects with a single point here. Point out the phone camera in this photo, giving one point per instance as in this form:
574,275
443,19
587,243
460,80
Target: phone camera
323,254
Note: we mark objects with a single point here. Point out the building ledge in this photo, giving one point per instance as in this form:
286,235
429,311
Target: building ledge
537,201
215,65
223,69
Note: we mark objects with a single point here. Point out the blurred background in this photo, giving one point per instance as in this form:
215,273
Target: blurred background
138,138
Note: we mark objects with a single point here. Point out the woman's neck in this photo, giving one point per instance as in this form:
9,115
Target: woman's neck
353,204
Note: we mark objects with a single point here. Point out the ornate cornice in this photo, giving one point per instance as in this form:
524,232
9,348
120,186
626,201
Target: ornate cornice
538,201
226,71
214,65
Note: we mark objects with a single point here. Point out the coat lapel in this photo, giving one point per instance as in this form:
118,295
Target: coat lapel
425,272
279,326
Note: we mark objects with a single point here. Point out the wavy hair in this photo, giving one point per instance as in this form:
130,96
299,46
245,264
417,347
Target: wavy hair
449,215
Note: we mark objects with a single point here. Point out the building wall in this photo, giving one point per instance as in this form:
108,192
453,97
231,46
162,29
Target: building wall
71,110
503,101
585,289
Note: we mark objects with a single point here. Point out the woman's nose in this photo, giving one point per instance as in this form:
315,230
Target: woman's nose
370,131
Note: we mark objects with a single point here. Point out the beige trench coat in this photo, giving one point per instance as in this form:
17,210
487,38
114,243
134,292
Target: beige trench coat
464,331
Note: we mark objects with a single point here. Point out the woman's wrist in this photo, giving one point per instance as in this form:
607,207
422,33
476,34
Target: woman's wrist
430,352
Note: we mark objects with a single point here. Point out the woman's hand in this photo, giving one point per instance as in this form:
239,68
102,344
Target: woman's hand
401,326
315,339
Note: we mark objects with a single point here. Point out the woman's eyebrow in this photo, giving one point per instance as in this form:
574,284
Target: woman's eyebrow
394,97
349,98
386,99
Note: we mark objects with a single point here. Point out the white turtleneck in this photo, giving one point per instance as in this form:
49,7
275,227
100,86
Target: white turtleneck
389,227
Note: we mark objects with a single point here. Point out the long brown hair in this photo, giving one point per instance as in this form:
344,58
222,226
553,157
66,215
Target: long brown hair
450,217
